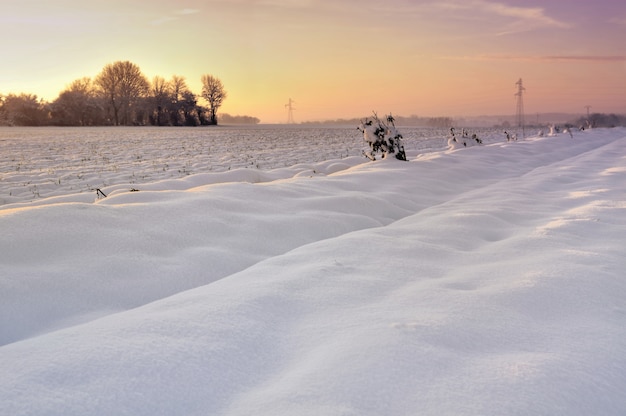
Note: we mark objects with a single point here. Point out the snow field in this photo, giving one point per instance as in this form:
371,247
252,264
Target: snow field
479,281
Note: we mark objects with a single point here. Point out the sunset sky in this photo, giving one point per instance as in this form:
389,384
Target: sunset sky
334,58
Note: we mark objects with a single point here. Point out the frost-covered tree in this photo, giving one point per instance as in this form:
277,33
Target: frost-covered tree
78,105
214,93
122,84
24,110
3,114
120,95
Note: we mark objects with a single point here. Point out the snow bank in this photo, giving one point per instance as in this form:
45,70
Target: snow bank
480,281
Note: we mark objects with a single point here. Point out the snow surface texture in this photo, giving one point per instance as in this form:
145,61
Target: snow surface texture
481,281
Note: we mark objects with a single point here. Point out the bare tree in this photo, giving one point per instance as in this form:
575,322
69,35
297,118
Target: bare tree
83,85
214,93
179,87
161,92
122,83
183,102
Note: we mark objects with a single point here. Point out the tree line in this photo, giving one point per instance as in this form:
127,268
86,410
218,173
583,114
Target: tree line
121,95
599,120
410,121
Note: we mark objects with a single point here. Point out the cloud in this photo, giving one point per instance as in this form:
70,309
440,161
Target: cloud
529,15
619,20
163,20
176,15
511,19
544,58
187,11
280,4
588,58
286,3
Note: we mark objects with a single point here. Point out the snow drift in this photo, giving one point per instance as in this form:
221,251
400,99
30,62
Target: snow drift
480,281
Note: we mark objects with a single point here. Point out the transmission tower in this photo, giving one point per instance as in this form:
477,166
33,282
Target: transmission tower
289,107
519,118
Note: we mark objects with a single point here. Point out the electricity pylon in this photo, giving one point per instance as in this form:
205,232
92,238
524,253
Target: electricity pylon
519,118
290,108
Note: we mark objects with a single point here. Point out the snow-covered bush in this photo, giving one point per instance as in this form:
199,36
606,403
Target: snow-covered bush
456,141
382,137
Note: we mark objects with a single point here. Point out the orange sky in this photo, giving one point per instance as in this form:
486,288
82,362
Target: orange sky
335,59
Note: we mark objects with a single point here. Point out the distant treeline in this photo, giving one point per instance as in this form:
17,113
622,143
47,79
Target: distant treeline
122,95
439,122
594,120
228,119
600,120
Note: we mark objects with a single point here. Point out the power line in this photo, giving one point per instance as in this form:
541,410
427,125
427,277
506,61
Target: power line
519,118
290,108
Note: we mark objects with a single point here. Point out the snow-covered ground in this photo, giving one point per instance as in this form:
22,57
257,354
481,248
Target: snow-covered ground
42,162
482,281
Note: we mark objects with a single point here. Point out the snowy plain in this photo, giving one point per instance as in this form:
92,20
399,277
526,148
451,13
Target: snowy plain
487,280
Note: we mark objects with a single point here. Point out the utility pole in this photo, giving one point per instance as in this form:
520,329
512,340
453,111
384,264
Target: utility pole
587,107
519,118
290,108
